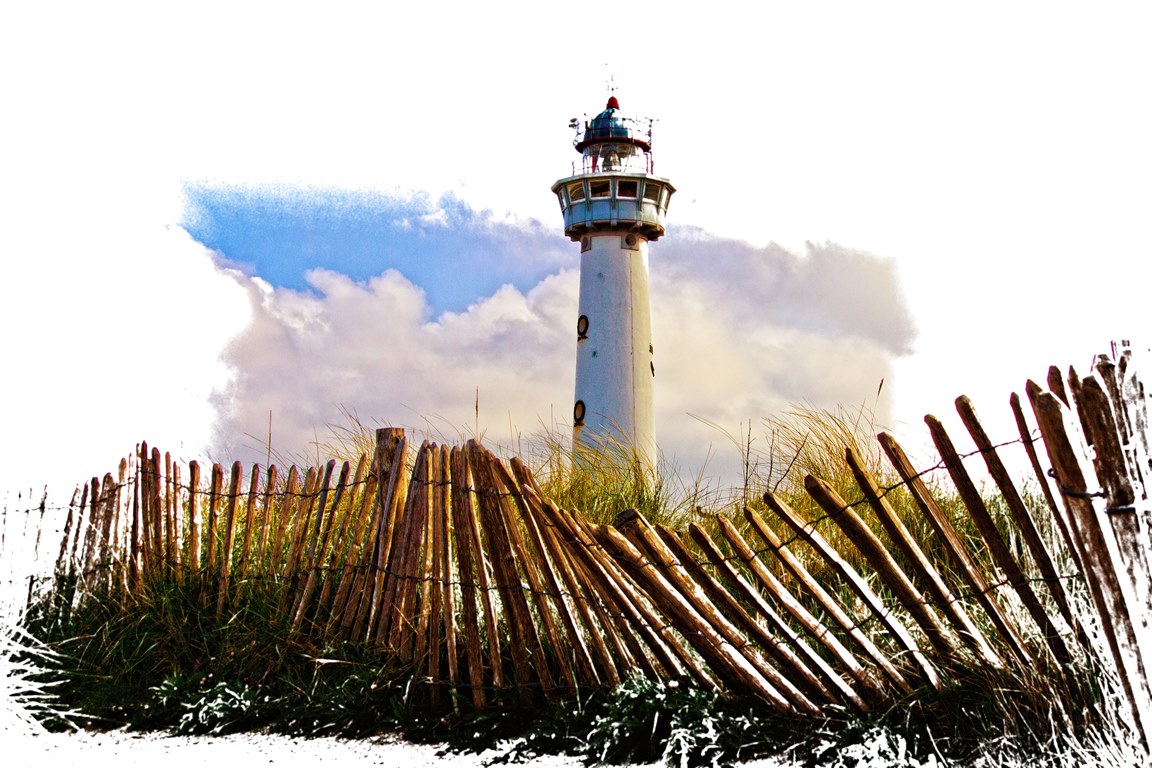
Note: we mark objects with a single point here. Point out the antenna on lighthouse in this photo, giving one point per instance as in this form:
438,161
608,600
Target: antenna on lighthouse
614,206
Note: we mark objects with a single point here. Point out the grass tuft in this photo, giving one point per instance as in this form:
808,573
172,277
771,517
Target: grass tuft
168,659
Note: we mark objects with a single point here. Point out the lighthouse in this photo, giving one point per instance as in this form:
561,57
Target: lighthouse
614,205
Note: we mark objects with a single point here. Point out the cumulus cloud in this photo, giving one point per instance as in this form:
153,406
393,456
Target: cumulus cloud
740,333
745,333
372,348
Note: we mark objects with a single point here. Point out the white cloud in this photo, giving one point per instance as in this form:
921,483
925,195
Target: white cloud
372,348
746,333
734,341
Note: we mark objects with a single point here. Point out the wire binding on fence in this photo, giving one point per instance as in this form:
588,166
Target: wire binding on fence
457,544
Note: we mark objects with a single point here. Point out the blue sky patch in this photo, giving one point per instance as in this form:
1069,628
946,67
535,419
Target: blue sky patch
456,254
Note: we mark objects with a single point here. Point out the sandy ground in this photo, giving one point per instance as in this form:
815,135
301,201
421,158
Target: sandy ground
122,749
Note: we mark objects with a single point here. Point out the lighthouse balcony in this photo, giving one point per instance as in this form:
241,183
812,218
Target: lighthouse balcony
601,202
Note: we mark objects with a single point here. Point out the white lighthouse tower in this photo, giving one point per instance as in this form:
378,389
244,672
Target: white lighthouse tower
614,206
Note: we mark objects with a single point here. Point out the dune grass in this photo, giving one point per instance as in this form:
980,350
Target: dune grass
166,659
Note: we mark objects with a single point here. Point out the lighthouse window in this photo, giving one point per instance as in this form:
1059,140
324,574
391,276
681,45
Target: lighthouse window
652,192
582,327
576,191
627,188
578,413
563,202
602,188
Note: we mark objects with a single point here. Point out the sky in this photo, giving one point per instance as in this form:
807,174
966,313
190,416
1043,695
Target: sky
214,211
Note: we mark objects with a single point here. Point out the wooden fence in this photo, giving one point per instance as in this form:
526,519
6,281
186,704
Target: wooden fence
453,565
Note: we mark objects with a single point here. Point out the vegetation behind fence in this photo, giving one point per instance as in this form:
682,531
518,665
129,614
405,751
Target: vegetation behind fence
452,568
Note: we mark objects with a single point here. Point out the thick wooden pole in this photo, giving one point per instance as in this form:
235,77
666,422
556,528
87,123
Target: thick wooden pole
194,520
224,577
462,516
388,464
1043,481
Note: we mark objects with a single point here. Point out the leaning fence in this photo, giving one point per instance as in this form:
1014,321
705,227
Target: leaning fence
453,565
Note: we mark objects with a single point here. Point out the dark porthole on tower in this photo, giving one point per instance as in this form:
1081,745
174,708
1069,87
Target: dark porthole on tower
578,412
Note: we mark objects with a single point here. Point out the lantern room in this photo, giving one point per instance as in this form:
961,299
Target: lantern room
612,143
613,188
